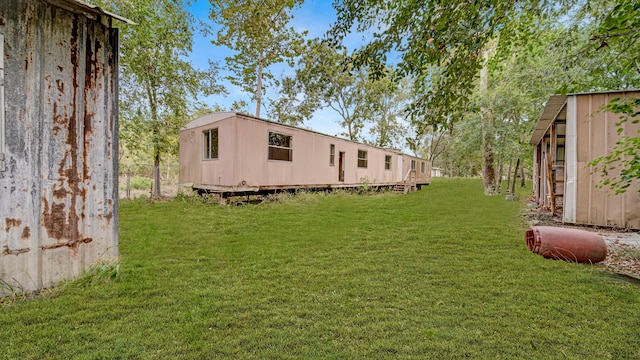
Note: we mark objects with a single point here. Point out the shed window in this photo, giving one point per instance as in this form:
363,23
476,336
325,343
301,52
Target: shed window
280,147
387,162
362,158
423,167
2,159
413,165
210,144
332,154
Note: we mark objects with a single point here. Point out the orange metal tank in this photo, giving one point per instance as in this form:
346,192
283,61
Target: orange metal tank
566,244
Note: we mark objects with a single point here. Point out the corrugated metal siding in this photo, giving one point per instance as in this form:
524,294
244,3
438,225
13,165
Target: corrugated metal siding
596,136
590,134
59,192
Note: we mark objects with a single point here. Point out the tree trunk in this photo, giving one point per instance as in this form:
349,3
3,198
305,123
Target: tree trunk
515,176
259,86
488,159
156,175
522,179
509,176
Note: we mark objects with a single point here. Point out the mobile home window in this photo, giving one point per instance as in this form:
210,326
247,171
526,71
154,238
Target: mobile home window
210,144
387,162
413,165
422,167
332,154
280,147
362,158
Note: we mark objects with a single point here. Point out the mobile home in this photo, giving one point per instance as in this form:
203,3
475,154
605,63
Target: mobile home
230,153
571,133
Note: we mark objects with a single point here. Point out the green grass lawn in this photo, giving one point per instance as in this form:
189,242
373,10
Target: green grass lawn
442,273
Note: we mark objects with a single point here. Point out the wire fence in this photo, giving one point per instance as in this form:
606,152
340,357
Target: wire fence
136,180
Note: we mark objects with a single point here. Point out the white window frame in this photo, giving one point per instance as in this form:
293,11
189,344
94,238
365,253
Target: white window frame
206,150
363,160
332,154
387,164
289,148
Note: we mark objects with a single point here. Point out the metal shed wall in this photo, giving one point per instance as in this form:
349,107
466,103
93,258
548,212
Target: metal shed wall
596,135
590,133
58,193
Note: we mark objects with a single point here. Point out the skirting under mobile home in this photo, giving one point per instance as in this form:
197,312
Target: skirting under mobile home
230,153
571,133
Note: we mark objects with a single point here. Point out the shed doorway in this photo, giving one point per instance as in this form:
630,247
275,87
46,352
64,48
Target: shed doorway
341,166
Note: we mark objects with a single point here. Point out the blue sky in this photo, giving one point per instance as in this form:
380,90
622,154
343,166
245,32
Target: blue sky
314,16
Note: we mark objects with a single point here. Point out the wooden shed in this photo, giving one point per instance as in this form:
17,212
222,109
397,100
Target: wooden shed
231,153
571,133
58,141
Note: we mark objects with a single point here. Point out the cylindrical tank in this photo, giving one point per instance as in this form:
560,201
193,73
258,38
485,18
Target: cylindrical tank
566,244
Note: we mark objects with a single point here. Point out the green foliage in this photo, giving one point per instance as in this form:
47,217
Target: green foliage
439,45
159,88
388,102
140,183
258,32
325,81
621,167
98,274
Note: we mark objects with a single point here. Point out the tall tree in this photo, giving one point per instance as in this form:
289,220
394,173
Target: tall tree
158,86
388,101
322,79
439,44
292,106
258,31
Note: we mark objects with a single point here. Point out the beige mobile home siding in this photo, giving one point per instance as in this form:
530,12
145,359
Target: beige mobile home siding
243,157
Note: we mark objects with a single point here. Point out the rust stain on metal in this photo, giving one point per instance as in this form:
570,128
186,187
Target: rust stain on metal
11,223
54,220
60,85
26,233
7,251
70,244
92,66
109,215
60,218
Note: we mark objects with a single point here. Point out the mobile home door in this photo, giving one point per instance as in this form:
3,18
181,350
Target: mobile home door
341,166
400,168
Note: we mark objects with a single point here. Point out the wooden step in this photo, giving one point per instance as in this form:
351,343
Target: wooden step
401,188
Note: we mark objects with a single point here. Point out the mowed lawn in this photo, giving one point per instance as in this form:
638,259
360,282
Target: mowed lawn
442,273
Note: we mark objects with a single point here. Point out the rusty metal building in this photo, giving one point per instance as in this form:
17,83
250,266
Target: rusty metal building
572,132
58,141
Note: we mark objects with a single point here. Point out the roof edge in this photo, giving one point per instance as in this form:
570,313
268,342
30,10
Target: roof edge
75,5
252,117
